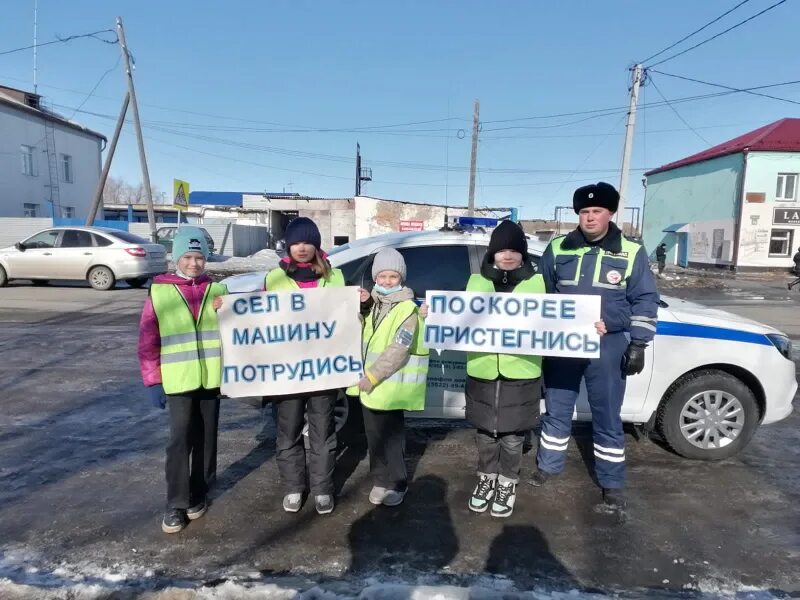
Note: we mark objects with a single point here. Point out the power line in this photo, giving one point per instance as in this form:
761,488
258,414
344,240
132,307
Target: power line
96,85
739,24
677,114
372,129
337,158
696,31
591,135
587,157
406,183
750,90
93,35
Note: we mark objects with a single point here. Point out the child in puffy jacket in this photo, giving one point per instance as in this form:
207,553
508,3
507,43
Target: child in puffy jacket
395,374
180,360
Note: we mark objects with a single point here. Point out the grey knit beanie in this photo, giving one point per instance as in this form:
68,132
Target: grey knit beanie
389,259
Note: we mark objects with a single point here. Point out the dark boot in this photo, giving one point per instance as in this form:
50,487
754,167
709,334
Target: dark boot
197,511
174,520
539,478
614,497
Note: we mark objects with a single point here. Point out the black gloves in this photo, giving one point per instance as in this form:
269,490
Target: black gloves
633,361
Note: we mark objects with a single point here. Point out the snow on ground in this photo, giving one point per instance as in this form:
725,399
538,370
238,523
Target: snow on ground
20,580
230,590
263,260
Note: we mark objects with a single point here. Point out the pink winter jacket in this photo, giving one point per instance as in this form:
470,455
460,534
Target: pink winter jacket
149,336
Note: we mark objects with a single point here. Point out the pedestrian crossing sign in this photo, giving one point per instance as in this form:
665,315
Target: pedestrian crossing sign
180,194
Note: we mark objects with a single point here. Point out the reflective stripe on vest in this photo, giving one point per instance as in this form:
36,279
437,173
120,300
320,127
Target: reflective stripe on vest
190,349
277,280
405,389
629,250
487,365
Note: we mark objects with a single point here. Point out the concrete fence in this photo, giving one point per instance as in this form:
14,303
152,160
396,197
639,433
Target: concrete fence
13,230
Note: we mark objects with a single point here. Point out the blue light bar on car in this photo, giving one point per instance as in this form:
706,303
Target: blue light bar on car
476,221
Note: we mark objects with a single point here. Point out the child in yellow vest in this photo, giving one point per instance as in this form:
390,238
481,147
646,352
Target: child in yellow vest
395,372
502,390
180,360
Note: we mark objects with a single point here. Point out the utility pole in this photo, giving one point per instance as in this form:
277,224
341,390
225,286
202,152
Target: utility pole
358,169
35,44
101,185
473,161
362,174
151,216
626,150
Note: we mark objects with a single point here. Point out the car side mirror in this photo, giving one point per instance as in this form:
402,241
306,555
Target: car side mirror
20,246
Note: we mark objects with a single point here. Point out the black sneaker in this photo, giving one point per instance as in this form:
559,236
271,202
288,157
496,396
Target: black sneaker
539,478
614,497
482,494
197,511
503,504
174,520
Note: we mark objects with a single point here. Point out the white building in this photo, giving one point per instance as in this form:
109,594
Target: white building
45,159
342,220
735,205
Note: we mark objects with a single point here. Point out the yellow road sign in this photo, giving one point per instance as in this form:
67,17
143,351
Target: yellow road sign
180,194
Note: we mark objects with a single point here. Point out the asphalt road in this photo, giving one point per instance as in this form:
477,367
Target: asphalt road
82,491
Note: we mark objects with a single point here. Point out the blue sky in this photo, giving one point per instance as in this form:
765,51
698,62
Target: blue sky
231,92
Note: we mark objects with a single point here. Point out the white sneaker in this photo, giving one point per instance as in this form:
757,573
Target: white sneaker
393,497
292,502
377,494
503,504
324,504
482,494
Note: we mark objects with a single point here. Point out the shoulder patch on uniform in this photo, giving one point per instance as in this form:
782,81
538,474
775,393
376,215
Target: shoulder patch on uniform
404,337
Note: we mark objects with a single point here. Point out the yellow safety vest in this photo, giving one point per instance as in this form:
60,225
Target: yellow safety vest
623,261
405,390
191,350
490,366
277,280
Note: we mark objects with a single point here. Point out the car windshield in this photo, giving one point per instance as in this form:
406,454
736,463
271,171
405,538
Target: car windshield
127,237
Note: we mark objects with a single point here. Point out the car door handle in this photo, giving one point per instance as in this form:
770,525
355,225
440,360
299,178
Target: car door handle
48,254
87,253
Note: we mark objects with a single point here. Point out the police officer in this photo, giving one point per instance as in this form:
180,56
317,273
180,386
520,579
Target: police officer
596,259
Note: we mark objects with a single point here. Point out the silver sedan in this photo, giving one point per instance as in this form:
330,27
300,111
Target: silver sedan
99,255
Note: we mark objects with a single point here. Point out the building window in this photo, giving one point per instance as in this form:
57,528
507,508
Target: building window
31,210
780,242
787,186
68,211
66,168
28,160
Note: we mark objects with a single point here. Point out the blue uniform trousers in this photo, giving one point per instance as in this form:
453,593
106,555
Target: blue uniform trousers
605,384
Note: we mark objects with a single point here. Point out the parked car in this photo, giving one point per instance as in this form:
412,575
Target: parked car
99,255
710,379
165,235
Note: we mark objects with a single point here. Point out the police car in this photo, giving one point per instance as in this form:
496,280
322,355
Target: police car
710,378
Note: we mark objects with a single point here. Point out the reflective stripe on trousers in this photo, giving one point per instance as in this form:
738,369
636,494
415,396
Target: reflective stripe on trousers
605,385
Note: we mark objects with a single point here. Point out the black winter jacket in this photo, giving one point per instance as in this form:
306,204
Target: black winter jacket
503,405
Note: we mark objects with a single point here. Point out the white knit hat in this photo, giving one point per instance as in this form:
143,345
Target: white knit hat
389,259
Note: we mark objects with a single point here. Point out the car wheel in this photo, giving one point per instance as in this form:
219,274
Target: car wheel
101,278
708,415
40,281
137,282
3,277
